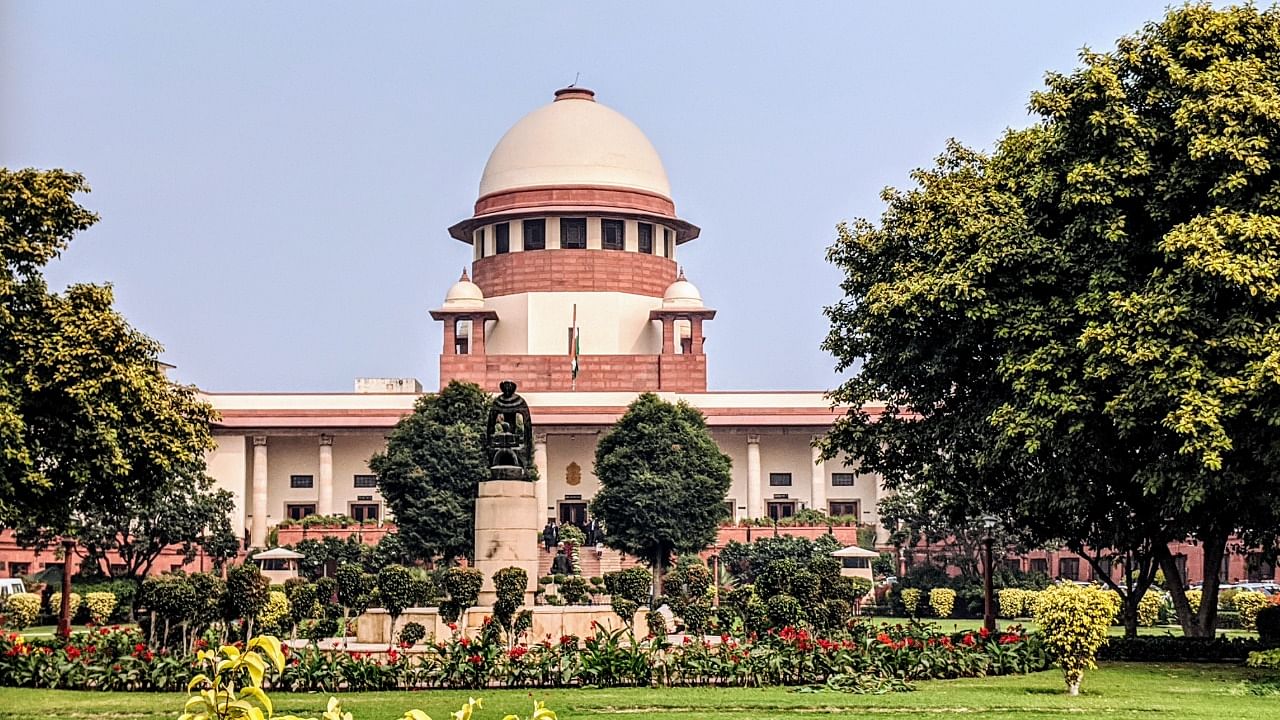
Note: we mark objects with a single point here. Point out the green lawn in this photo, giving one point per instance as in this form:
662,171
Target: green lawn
1115,691
958,624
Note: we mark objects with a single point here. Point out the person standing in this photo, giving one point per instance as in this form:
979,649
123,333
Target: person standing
550,535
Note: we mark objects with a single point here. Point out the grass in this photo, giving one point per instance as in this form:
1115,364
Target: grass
974,625
1118,690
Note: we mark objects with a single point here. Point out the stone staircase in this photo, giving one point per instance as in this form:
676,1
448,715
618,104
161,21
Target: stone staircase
592,566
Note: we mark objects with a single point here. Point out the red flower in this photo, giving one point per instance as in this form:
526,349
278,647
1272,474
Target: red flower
984,632
73,652
453,627
475,660
566,640
464,642
518,652
1010,639
884,639
392,655
968,640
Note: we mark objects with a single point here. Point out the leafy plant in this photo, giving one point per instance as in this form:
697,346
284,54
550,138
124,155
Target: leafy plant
911,600
100,606
412,634
943,601
1075,621
22,609
463,588
1248,604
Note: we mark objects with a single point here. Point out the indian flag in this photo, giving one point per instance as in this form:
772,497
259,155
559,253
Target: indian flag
576,347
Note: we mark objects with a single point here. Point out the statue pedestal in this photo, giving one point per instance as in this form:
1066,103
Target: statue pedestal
507,532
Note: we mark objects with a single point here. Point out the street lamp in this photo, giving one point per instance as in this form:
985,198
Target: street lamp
988,612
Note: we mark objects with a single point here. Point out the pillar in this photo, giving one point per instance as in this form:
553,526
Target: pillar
755,492
258,534
695,335
818,481
324,496
476,341
668,335
450,335
544,477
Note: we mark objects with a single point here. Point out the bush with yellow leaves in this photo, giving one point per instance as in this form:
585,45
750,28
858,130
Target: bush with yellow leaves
1013,602
231,688
1248,604
1074,621
911,600
943,601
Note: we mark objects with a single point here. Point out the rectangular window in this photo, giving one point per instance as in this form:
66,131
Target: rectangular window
480,242
843,508
18,569
613,235
667,244
297,512
1039,565
856,563
780,510
275,565
842,479
364,513
573,233
535,234
645,236
728,509
1013,565
779,479
301,481
1069,568
501,238
366,481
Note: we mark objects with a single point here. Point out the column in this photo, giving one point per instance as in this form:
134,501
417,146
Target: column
476,345
818,481
755,493
450,335
544,477
324,496
258,534
695,335
668,335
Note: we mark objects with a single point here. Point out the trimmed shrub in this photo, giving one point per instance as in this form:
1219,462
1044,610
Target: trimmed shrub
412,633
784,610
509,586
463,587
1267,623
354,586
1193,600
1248,604
315,630
1167,648
657,623
574,590
1074,622
911,600
247,590
126,592
395,587
22,609
1149,608
943,601
100,605
1012,602
274,618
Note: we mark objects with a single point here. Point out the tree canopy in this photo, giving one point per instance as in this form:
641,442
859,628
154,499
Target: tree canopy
95,437
663,482
431,469
1079,331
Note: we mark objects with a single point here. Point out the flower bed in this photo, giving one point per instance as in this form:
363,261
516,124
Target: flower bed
117,659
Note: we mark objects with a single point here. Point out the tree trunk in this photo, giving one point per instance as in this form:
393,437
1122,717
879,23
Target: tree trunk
1201,623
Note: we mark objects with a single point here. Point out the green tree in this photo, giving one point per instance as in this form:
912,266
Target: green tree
1078,332
663,482
430,471
92,429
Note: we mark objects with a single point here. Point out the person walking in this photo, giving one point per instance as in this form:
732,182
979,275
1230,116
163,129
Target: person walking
550,535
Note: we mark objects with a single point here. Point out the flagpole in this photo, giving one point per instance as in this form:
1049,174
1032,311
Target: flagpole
573,346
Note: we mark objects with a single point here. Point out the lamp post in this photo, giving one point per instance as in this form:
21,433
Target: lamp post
988,612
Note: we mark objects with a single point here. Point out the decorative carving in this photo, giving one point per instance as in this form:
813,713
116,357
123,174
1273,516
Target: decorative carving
753,439
573,474
326,440
259,440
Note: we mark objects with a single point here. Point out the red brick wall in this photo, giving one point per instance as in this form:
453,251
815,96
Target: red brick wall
573,270
541,373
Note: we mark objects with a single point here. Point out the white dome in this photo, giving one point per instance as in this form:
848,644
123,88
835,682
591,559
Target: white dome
682,293
464,294
574,141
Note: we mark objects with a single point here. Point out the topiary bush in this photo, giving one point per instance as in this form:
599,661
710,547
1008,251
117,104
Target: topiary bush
1149,608
629,589
1248,604
246,593
775,577
275,618
1267,623
784,610
657,624
509,584
1193,600
911,600
412,633
574,590
354,586
463,587
942,601
22,609
1074,621
100,605
1012,602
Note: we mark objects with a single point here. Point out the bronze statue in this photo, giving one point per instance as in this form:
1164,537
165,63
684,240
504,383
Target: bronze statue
508,435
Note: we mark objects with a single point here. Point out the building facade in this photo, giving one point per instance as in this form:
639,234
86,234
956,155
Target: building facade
575,293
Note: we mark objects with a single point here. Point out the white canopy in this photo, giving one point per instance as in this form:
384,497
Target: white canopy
855,551
278,554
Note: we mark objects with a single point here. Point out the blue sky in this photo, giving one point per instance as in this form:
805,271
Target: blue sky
275,179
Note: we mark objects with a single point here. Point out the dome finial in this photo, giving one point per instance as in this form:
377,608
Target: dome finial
680,273
464,277
575,93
